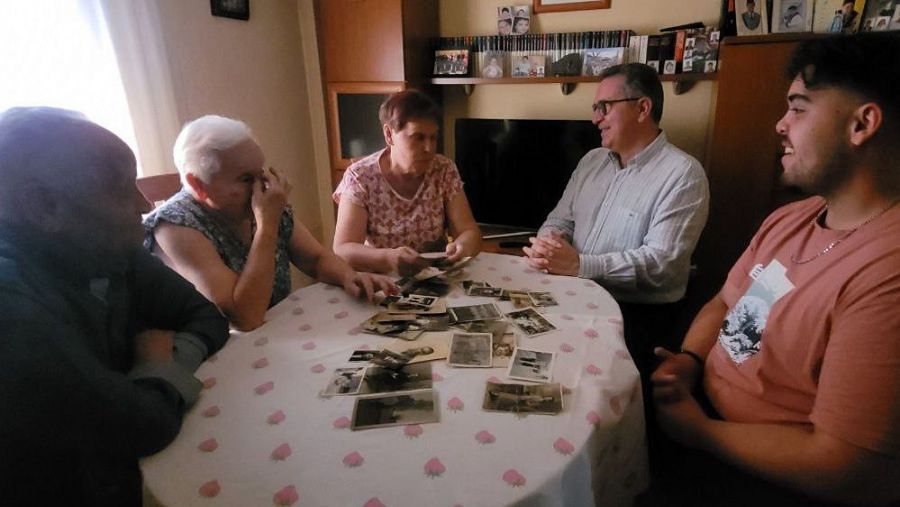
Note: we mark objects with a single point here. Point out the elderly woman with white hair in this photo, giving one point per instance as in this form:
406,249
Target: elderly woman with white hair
230,232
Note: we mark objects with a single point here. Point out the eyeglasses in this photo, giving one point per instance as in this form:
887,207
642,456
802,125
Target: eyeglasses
603,105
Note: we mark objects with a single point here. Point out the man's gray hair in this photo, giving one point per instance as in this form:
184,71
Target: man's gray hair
200,142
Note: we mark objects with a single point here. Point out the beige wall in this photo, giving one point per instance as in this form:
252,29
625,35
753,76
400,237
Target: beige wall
253,71
685,118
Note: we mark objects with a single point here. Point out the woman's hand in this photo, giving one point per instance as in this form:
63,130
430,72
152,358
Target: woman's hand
366,285
406,261
454,252
269,197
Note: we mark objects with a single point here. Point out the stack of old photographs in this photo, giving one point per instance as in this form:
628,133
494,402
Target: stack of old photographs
407,317
387,396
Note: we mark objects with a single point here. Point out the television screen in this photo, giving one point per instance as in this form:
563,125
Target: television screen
515,171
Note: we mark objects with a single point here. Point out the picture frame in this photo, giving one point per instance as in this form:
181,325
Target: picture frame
451,62
791,16
877,15
838,16
752,17
234,9
569,5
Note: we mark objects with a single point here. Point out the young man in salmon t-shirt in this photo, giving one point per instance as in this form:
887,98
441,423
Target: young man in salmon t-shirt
799,354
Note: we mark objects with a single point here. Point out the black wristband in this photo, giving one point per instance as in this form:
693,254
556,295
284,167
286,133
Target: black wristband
695,356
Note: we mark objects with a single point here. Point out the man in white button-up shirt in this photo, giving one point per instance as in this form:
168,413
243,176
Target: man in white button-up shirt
632,212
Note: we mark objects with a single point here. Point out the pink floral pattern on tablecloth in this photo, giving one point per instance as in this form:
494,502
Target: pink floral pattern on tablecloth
353,460
563,446
513,477
275,417
287,495
341,422
412,430
485,437
210,489
434,468
211,411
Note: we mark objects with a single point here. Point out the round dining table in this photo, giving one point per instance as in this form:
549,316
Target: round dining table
261,433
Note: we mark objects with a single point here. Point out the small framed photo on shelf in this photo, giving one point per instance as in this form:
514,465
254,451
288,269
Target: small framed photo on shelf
596,60
493,65
451,62
792,16
528,66
504,20
752,17
880,15
521,20
837,16
235,9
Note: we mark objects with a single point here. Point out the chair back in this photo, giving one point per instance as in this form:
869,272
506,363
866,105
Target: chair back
158,188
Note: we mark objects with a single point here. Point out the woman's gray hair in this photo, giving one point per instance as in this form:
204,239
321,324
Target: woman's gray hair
200,142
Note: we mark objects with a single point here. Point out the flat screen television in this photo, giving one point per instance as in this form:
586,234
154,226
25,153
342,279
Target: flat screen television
515,171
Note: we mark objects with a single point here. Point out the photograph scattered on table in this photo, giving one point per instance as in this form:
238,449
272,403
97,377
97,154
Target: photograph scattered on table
469,313
417,300
502,349
523,399
466,284
361,356
438,307
533,365
414,407
542,299
530,322
345,381
470,350
429,347
436,286
401,326
520,299
433,322
480,291
411,377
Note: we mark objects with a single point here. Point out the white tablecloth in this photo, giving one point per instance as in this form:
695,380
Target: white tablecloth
261,432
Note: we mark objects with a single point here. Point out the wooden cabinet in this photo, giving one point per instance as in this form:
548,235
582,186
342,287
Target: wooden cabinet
370,49
743,156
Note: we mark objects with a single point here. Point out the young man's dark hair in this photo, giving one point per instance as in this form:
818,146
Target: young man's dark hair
641,81
846,62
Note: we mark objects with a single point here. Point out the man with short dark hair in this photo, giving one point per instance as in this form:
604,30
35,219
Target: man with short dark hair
799,353
98,340
631,213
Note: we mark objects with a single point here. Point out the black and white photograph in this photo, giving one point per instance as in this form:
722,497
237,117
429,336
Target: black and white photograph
473,283
361,356
491,292
530,322
792,16
520,299
433,322
504,20
417,300
533,365
493,65
521,23
470,350
416,407
523,399
428,347
752,17
401,307
451,62
502,348
596,60
345,381
404,327
487,311
381,379
539,298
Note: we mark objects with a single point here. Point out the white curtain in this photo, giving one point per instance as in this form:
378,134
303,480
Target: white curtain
58,53
136,34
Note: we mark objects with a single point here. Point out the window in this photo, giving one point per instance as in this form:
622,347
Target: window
58,53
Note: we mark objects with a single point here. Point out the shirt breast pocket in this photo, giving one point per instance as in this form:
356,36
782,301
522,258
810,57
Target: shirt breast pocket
626,228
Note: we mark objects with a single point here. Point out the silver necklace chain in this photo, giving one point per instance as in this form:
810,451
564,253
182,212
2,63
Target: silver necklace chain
796,260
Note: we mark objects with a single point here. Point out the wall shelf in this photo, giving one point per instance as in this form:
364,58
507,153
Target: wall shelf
683,82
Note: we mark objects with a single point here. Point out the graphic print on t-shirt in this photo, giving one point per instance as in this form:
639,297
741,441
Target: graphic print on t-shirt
742,330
